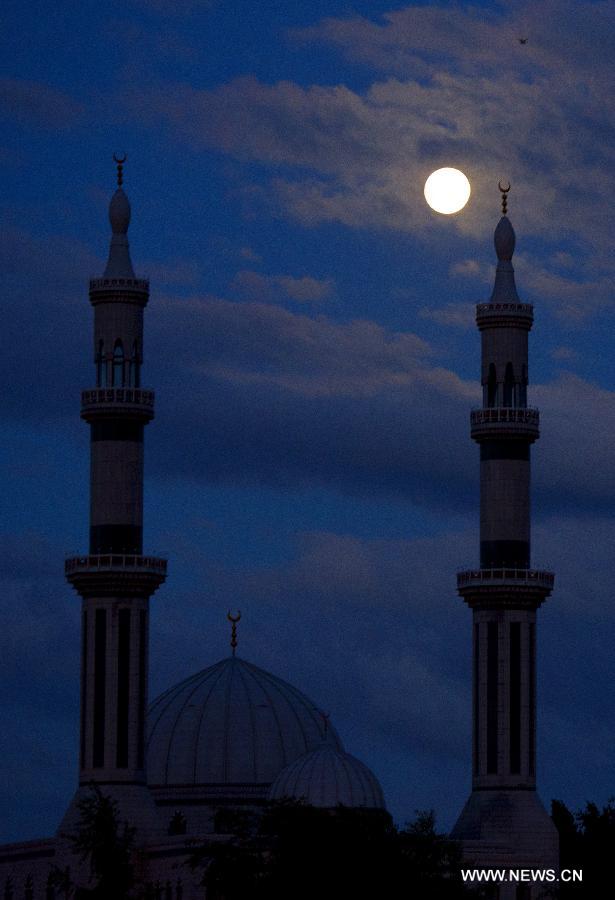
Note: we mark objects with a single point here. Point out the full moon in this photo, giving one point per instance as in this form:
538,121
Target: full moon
447,191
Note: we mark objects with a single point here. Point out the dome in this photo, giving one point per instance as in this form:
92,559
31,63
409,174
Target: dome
231,723
327,777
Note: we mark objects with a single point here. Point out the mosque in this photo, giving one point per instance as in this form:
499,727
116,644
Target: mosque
234,735
230,735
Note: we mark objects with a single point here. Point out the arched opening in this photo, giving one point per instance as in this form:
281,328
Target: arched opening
523,388
492,387
117,379
134,367
100,365
509,385
178,823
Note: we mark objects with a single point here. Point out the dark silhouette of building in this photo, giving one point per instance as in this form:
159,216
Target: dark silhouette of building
503,823
230,736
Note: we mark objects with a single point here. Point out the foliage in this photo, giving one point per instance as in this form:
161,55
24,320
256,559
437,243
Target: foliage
587,839
107,845
299,851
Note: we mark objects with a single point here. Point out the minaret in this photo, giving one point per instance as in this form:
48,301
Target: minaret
116,579
504,823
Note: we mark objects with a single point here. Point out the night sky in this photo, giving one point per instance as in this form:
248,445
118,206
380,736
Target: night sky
311,340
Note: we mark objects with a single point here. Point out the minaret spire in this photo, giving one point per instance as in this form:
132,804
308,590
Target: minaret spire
234,620
119,264
116,579
503,823
120,160
503,190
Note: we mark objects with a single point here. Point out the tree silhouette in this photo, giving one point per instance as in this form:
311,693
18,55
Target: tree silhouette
587,839
299,851
107,845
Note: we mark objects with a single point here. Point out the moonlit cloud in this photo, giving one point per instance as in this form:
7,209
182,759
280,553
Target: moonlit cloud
305,289
454,86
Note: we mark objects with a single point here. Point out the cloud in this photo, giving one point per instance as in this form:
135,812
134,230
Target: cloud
573,298
287,399
32,102
470,268
39,636
456,315
250,254
282,398
564,354
184,272
572,462
172,9
453,86
146,44
305,289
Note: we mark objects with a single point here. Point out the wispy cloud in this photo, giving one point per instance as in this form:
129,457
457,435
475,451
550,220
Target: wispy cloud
564,354
37,103
457,315
304,289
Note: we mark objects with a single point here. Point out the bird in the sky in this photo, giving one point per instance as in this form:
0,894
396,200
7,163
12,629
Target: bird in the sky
523,40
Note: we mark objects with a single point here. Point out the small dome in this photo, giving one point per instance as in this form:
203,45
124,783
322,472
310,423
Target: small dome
326,777
119,212
232,723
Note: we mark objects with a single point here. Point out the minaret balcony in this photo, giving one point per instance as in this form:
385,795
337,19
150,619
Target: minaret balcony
119,290
115,574
505,586
504,421
503,315
136,403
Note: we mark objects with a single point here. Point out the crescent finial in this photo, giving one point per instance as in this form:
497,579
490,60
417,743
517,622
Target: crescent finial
120,160
234,620
504,191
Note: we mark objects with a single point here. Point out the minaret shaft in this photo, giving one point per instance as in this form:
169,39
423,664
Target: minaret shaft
504,707
503,822
115,579
504,632
116,615
114,689
116,474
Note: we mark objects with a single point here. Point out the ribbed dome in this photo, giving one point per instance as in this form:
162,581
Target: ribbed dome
327,777
232,723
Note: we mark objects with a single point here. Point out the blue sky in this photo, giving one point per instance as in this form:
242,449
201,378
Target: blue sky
310,338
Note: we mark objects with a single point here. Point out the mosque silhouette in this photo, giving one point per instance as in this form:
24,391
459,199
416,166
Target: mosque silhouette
233,735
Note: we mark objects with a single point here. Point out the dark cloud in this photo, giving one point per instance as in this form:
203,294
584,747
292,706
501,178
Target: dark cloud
37,103
45,321
287,399
266,395
39,647
172,9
